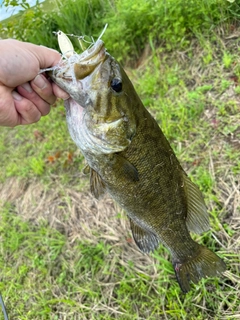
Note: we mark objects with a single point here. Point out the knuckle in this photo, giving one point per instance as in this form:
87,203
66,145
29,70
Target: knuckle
38,104
27,107
29,111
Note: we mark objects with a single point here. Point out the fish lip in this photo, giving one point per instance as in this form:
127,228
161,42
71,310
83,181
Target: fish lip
92,56
97,48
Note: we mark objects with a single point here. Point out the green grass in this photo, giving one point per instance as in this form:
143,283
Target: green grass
66,256
44,149
169,24
44,276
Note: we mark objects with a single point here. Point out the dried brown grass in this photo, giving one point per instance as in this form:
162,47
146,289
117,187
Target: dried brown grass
78,215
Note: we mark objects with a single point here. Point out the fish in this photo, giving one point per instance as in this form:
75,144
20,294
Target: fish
129,157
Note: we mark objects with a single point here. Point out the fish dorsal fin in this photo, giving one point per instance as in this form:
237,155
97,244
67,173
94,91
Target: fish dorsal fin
145,240
97,186
197,216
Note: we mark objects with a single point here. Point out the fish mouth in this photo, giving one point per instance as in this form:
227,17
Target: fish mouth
79,66
96,50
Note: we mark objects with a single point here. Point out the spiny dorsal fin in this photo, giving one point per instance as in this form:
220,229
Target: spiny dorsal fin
97,186
197,216
145,240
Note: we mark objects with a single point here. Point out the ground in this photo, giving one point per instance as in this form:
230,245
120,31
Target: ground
65,255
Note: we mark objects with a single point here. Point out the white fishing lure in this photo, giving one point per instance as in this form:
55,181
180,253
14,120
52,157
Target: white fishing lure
67,50
65,44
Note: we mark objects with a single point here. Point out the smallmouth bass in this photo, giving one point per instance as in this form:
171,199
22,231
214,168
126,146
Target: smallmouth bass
130,158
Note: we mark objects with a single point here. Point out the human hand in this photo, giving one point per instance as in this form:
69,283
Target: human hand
25,96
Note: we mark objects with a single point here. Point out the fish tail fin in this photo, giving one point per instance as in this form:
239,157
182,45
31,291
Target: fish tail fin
205,264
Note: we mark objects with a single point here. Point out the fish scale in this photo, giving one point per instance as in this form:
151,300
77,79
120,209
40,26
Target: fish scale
130,158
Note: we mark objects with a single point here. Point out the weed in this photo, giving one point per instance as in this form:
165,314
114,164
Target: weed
227,59
170,23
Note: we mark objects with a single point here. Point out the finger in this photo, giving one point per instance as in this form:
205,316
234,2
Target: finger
27,92
27,111
26,61
47,57
60,93
43,88
8,115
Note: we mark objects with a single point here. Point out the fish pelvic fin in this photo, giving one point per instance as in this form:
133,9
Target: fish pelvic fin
97,186
145,240
86,170
197,216
205,264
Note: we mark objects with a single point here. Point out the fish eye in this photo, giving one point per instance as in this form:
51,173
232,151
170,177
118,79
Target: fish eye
116,85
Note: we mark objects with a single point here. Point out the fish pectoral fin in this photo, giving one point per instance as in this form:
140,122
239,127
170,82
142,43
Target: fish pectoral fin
125,168
97,186
197,216
145,240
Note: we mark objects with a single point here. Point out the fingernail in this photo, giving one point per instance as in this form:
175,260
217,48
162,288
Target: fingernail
16,96
27,87
65,97
40,82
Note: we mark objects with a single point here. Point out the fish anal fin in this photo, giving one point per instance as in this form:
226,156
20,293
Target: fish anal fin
145,240
97,186
197,216
205,264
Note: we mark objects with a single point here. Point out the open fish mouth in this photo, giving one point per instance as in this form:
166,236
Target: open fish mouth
74,66
79,66
74,71
93,52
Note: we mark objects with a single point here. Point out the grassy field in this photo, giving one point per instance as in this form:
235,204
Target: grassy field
65,255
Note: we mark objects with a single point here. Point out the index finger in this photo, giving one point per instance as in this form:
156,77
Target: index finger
21,61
